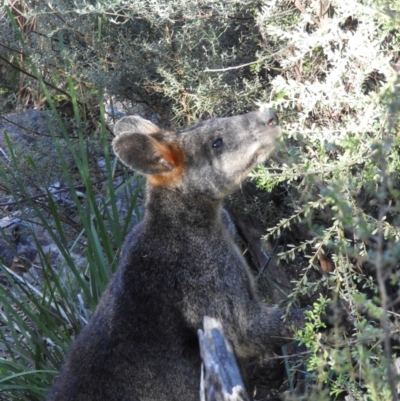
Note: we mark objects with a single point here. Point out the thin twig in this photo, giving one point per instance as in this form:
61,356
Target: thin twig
301,8
40,196
54,193
328,170
32,76
12,49
32,131
247,64
270,257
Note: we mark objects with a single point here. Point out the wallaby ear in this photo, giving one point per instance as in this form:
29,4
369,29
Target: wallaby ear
143,153
136,146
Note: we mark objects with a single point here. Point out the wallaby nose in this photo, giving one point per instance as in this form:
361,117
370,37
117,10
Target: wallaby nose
272,118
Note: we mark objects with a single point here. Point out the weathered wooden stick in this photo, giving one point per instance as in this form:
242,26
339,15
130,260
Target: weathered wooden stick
220,375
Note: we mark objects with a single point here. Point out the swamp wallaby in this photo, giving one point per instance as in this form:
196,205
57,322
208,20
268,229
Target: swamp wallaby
178,265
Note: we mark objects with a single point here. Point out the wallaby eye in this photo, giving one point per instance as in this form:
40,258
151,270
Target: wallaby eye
217,143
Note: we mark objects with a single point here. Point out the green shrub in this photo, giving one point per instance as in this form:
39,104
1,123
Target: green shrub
343,183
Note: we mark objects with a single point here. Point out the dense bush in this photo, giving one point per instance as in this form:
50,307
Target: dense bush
329,68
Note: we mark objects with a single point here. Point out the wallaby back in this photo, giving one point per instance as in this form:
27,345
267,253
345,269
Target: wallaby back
177,266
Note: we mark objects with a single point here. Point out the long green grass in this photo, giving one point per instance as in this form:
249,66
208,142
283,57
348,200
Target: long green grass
39,319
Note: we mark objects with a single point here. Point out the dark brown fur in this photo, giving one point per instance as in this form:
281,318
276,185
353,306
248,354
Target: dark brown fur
177,266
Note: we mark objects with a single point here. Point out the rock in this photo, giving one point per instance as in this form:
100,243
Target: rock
24,125
17,252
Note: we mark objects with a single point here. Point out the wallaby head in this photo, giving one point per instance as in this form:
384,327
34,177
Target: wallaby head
210,158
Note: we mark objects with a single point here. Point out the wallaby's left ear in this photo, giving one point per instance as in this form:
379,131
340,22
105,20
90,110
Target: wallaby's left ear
144,154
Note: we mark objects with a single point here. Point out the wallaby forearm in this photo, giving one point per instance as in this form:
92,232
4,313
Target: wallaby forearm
264,329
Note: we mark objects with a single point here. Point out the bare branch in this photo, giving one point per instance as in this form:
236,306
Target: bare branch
246,64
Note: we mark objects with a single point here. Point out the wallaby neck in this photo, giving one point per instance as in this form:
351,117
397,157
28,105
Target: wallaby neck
172,207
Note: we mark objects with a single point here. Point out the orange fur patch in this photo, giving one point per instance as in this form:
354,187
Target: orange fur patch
173,155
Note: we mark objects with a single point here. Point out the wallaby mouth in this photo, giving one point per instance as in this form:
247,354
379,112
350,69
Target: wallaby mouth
269,119
268,116
272,119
